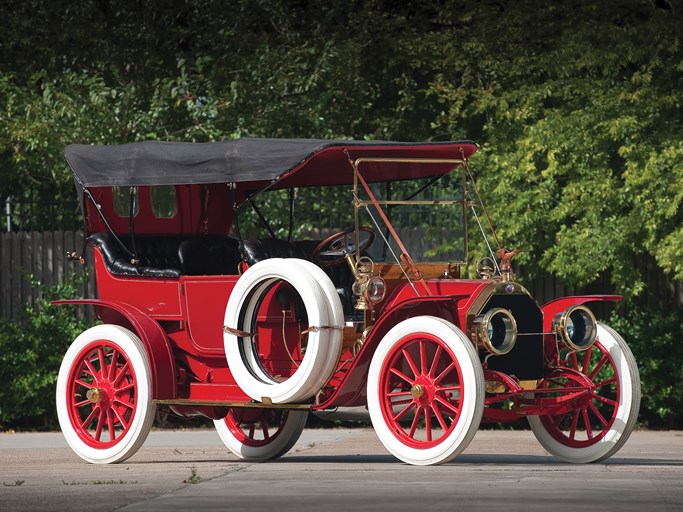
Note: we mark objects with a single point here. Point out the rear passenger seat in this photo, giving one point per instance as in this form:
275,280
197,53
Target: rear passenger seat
170,256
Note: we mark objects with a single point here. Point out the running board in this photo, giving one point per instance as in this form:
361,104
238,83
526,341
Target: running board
220,403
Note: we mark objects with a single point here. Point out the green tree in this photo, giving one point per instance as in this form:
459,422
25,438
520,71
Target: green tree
576,105
579,110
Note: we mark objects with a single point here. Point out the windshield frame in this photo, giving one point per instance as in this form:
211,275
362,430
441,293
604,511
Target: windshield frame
405,259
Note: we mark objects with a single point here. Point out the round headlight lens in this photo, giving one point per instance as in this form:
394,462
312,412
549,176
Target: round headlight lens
576,327
496,330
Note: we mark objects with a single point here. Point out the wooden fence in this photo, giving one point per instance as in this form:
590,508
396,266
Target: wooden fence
29,257
41,257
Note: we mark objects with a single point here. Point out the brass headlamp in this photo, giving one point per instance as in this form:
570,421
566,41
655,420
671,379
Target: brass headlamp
576,327
496,330
369,289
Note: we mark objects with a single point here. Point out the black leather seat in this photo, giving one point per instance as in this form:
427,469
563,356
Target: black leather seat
209,255
169,256
341,275
158,256
266,248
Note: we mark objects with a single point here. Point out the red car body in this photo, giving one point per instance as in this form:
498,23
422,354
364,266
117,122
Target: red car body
198,318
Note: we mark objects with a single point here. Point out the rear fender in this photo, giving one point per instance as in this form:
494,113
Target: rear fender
162,364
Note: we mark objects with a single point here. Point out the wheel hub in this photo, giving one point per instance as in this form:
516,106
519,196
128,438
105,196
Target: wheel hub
417,391
423,391
94,395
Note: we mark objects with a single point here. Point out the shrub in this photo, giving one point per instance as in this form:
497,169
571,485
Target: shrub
655,339
31,352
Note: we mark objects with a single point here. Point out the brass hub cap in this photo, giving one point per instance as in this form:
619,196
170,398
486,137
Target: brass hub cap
93,394
417,391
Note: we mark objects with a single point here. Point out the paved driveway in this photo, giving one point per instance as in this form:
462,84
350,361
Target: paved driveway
339,470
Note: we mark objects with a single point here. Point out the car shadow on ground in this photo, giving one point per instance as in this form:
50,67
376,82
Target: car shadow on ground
473,459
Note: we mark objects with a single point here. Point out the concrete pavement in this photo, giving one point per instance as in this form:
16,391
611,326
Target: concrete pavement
338,469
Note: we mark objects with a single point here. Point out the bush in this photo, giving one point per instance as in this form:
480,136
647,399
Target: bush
655,339
31,352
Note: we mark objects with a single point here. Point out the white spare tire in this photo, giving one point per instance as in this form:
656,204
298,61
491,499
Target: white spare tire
323,310
336,314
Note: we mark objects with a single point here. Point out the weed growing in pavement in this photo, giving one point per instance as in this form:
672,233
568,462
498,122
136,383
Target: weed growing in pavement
16,483
194,477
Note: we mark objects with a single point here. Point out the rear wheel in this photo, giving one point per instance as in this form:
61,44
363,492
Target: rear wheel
261,434
602,420
104,400
425,391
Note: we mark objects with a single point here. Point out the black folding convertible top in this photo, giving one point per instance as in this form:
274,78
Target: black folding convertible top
238,161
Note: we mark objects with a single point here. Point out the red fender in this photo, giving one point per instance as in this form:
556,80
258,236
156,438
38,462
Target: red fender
351,390
162,364
553,307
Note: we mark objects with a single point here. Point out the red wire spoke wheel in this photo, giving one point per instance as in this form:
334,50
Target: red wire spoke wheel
261,434
600,421
425,391
102,397
103,394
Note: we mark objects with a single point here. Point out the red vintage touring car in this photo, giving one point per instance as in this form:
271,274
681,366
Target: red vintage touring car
255,281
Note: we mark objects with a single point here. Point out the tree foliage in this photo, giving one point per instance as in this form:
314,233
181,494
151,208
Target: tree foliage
579,108
576,105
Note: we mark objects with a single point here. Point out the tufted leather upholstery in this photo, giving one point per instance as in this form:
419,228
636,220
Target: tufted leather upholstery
169,256
265,248
209,255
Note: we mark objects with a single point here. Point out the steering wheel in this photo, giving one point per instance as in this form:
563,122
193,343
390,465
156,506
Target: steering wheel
339,245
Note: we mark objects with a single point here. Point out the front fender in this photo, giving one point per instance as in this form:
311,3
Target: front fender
351,391
553,307
162,364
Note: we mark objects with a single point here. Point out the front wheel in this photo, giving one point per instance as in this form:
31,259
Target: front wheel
425,391
261,434
104,399
601,422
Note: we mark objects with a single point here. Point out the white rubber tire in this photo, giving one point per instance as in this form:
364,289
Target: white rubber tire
472,402
627,410
313,370
136,432
336,315
284,439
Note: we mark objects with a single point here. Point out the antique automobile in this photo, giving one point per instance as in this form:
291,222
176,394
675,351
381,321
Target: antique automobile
257,281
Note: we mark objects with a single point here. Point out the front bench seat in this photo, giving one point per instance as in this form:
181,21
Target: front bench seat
340,275
266,248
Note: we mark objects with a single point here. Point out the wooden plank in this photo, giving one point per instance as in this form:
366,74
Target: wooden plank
5,275
48,259
27,293
15,276
58,256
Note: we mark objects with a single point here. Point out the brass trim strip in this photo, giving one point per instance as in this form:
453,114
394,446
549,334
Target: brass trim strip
446,202
456,161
